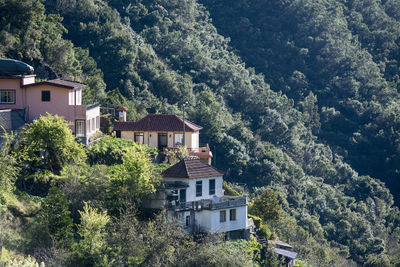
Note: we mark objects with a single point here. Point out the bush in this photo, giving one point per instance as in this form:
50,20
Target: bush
265,231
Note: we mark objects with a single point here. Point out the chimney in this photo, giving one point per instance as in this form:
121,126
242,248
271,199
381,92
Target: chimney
122,113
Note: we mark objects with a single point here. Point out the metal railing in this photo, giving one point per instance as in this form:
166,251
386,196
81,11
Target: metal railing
210,204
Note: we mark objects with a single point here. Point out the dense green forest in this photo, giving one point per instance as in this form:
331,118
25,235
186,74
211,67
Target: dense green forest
298,97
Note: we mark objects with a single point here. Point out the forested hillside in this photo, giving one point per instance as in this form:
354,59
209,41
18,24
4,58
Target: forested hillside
300,96
346,53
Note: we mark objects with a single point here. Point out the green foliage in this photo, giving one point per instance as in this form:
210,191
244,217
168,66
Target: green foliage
108,150
55,217
134,178
265,231
336,63
92,246
229,191
177,154
8,163
49,144
267,206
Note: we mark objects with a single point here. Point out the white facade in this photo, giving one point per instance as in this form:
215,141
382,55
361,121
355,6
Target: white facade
191,190
210,220
92,121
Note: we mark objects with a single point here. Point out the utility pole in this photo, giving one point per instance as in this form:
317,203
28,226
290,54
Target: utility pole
184,132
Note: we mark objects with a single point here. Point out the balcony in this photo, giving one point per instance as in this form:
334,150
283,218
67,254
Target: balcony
209,204
201,152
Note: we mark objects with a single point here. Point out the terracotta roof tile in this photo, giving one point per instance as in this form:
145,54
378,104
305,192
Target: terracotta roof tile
191,168
157,122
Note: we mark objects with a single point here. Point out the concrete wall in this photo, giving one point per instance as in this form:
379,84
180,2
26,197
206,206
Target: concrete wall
209,220
191,190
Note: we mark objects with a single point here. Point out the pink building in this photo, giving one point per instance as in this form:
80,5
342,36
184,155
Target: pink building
58,97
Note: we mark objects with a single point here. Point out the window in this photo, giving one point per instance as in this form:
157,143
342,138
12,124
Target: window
199,188
46,96
139,138
178,139
71,97
80,128
211,189
93,124
98,122
222,216
187,220
232,215
182,195
88,125
79,97
7,97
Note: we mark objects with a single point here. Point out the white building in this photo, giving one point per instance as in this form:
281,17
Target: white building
192,192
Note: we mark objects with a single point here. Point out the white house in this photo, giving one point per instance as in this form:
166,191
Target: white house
192,192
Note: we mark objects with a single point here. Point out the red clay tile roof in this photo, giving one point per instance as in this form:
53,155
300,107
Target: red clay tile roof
59,83
157,122
191,168
122,108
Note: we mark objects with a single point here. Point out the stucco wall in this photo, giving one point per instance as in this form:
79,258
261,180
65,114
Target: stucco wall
127,135
191,190
91,114
58,104
13,84
209,220
192,139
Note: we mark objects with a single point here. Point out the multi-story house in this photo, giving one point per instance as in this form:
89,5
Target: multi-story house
192,192
22,97
163,131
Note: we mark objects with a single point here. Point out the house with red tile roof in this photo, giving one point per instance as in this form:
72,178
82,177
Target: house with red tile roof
163,131
192,192
58,97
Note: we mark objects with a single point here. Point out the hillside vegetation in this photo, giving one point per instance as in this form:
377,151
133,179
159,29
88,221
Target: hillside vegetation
299,96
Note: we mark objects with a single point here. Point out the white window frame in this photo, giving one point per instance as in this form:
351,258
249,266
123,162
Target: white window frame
6,94
82,124
176,144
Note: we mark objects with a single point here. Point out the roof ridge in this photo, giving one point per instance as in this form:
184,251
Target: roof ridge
67,80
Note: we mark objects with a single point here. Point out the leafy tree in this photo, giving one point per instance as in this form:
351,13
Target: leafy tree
48,143
267,206
55,217
134,178
92,246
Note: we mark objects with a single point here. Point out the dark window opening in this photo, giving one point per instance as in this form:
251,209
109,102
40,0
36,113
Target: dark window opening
222,216
232,214
199,188
118,134
187,220
212,187
45,96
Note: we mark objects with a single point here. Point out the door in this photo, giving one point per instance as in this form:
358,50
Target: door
162,141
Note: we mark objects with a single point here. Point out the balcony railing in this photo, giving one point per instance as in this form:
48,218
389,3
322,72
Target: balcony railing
201,152
210,204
